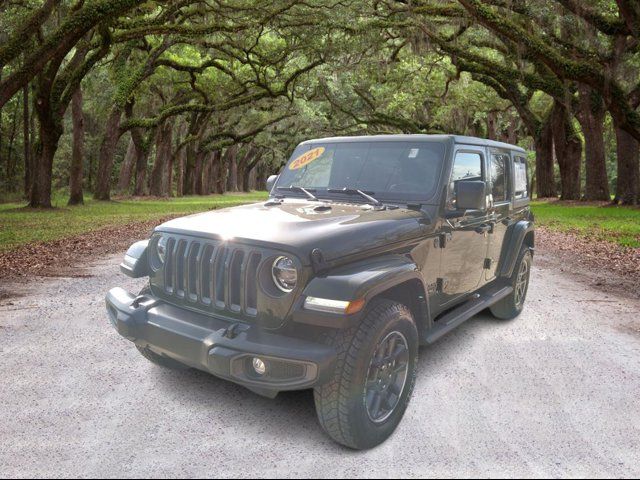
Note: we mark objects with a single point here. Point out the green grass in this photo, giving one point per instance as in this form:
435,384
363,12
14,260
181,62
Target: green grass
615,224
20,225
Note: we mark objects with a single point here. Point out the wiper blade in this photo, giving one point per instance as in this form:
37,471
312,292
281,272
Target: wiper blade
295,188
355,191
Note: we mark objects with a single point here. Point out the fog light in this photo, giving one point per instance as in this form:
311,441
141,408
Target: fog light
259,366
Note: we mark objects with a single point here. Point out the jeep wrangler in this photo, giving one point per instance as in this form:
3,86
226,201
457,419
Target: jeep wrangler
367,248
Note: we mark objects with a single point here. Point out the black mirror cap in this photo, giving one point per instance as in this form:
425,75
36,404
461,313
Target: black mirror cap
271,181
471,195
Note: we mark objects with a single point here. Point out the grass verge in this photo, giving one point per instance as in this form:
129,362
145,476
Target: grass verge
615,224
20,225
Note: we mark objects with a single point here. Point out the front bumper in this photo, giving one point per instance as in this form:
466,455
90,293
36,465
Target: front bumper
219,347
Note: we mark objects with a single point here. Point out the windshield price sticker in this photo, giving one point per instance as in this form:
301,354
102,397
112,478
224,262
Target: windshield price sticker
306,158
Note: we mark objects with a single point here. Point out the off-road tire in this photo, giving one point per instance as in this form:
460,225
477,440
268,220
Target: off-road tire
511,306
161,361
341,403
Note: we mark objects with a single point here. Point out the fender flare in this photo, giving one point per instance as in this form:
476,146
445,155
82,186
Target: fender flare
135,264
511,246
366,280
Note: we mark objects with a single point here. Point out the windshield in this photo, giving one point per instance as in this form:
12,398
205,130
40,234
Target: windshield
391,171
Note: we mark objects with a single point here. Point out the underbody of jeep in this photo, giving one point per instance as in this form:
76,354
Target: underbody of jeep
257,294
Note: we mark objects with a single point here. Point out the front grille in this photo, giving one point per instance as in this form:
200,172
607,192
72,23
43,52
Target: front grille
211,276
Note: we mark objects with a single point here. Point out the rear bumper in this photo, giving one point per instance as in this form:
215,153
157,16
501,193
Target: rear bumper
218,347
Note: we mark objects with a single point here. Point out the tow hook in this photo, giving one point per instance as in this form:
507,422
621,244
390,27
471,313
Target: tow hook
144,301
234,330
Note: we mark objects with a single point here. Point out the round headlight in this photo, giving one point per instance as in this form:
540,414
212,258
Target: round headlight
285,274
161,248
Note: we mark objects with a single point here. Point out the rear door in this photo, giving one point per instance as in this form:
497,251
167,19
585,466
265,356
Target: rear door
500,186
464,237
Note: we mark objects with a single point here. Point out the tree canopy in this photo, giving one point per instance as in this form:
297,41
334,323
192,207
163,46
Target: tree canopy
193,97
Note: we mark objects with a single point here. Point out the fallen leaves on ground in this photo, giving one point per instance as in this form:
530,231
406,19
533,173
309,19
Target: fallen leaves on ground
68,256
608,262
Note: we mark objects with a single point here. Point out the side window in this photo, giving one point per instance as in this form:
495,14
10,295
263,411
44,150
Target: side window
499,176
466,166
521,178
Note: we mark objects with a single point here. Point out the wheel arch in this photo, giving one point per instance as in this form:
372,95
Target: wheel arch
412,294
521,233
393,277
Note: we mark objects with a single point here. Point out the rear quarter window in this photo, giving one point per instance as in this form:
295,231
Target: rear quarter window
521,178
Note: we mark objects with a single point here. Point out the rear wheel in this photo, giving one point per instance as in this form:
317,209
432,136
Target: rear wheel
511,306
374,378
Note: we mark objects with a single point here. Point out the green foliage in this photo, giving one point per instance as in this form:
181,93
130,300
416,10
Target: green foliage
270,74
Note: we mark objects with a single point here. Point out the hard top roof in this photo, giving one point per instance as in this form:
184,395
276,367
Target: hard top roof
457,139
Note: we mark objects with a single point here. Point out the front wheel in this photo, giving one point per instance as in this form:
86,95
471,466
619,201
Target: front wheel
511,306
375,374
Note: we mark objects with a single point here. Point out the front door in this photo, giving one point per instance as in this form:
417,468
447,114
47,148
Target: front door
464,234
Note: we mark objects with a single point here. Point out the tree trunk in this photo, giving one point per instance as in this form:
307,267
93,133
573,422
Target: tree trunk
1,133
10,171
591,118
106,156
628,182
170,166
142,153
198,172
232,179
206,174
215,173
189,169
568,149
511,135
228,158
50,131
219,178
159,181
492,126
248,179
26,141
126,169
214,169
253,178
77,153
543,143
261,177
180,177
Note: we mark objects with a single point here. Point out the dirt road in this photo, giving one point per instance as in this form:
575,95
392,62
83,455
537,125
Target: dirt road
554,393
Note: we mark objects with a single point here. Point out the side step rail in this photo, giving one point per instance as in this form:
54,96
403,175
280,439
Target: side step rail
464,312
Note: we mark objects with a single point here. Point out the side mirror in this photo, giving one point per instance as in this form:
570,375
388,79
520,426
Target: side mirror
271,181
470,195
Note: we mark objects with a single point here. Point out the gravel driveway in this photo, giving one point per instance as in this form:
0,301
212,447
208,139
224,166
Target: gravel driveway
554,393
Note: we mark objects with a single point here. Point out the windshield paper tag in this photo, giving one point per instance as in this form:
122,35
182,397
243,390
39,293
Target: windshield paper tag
413,153
306,158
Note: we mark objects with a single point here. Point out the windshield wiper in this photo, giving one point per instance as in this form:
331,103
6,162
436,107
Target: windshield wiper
355,191
295,188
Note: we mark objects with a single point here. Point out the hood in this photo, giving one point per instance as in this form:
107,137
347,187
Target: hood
300,226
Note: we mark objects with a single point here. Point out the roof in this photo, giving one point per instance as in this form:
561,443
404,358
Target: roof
457,139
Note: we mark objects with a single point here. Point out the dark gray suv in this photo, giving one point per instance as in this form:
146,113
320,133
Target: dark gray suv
367,248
